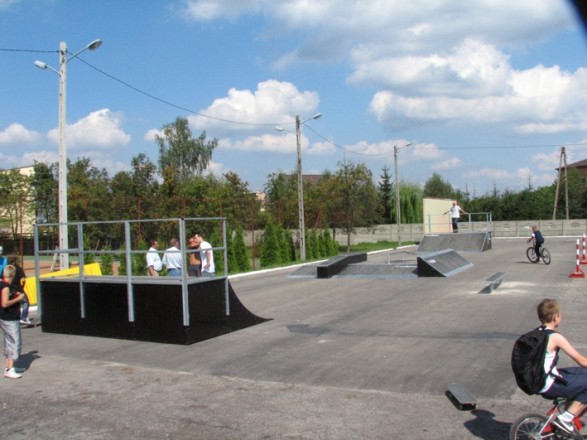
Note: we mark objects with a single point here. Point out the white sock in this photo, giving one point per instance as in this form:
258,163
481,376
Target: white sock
567,416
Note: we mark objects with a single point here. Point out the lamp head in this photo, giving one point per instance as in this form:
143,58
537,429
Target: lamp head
279,129
40,64
94,44
317,116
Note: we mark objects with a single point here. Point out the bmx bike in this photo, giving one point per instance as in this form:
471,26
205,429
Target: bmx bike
534,426
544,254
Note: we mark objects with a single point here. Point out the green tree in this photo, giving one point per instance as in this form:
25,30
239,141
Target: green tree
16,203
357,195
412,209
270,253
240,251
106,261
313,245
281,199
385,195
215,241
282,234
45,188
439,188
181,153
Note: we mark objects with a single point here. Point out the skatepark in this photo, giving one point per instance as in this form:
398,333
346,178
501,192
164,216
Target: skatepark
364,355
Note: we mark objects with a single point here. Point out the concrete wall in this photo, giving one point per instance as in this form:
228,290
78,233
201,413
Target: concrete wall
415,232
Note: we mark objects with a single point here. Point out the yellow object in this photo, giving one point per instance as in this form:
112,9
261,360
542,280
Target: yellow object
30,287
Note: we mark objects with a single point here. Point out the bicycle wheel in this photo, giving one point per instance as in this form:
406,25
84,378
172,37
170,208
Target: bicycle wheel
545,255
531,255
527,427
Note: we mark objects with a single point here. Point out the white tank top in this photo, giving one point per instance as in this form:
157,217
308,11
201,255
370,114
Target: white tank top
548,361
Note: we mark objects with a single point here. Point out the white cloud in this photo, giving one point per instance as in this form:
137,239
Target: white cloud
426,151
206,10
150,135
547,161
273,103
5,4
216,169
47,157
101,128
321,148
453,162
534,101
16,134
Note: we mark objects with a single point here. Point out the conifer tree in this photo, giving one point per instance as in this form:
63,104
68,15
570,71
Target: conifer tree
270,253
240,251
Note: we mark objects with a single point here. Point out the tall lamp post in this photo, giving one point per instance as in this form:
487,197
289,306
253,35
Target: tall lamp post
301,221
397,200
62,192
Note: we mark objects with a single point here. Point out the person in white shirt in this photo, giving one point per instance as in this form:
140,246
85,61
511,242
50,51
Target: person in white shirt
154,264
172,258
455,215
206,255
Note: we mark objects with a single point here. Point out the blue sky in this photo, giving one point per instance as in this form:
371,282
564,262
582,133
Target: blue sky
487,91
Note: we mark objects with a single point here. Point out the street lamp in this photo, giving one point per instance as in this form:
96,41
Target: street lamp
62,192
301,221
397,200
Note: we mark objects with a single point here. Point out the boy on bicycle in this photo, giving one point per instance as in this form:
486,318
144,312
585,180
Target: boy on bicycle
538,241
575,388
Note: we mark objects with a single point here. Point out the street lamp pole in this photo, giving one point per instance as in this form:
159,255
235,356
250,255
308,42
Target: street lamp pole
62,164
397,196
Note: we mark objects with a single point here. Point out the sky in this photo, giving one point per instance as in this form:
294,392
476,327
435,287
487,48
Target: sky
486,92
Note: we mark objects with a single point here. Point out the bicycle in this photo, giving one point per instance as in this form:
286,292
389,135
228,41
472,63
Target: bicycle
544,254
534,426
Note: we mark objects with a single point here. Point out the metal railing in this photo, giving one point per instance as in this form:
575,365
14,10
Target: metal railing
125,235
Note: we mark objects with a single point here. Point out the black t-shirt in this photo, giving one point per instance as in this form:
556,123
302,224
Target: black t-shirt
19,275
10,313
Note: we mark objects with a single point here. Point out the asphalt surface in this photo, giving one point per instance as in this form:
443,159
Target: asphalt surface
342,358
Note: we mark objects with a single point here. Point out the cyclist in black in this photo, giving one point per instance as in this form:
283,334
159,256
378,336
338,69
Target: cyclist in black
538,242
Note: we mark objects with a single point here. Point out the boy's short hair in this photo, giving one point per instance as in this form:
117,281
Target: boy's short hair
9,271
547,309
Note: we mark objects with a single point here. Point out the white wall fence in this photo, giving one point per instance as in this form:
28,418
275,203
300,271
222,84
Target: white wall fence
415,232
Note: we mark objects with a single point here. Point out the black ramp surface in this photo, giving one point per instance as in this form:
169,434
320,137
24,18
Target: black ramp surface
441,264
464,242
158,310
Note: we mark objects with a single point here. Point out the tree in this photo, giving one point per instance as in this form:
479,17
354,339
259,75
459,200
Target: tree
412,209
181,153
44,187
281,199
385,195
437,187
357,196
240,251
270,253
16,203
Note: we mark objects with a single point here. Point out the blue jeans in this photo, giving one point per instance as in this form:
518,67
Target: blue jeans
24,312
174,272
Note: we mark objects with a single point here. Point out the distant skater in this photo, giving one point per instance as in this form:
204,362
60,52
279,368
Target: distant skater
455,215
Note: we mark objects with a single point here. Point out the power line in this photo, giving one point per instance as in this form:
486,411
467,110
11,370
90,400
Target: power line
164,101
27,50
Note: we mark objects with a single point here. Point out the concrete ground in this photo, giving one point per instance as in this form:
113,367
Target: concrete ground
342,358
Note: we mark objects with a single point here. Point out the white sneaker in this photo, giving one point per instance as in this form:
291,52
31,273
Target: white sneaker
12,374
26,321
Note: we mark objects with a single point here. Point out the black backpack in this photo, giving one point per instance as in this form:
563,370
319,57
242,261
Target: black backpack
528,360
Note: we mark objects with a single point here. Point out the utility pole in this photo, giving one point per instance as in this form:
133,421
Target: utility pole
563,159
